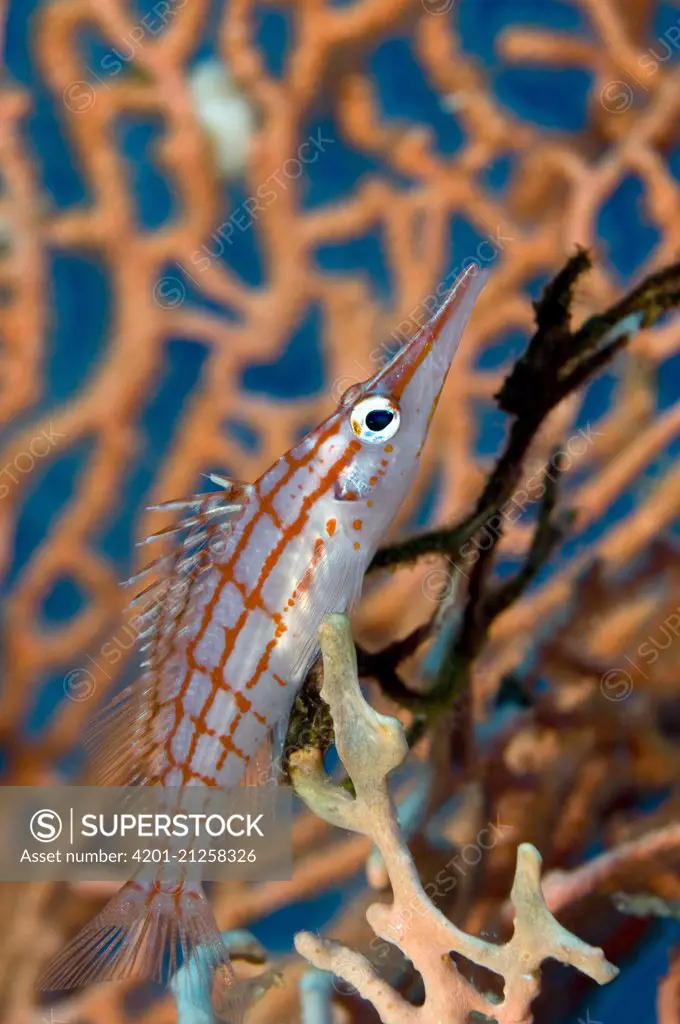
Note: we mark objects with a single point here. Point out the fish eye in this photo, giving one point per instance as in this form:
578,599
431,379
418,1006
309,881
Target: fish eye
375,419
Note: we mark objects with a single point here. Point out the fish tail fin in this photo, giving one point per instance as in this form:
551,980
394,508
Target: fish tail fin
146,932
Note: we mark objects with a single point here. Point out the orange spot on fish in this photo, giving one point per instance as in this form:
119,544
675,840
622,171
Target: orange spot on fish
308,574
357,545
373,481
370,504
330,527
357,524
384,462
388,448
242,702
230,748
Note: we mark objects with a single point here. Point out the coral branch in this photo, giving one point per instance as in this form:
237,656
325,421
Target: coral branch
316,993
668,997
565,887
370,746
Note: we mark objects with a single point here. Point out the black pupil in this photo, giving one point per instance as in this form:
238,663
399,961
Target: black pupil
378,419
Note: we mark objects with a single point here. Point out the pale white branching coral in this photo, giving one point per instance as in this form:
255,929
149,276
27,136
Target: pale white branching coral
370,745
225,113
316,992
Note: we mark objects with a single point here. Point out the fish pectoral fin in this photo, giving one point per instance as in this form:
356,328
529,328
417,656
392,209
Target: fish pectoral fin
264,767
261,768
327,586
148,931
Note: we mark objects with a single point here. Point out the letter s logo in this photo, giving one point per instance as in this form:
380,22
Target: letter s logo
45,826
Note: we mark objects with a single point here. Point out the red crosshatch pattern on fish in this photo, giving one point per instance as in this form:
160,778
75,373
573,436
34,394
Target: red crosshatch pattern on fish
232,620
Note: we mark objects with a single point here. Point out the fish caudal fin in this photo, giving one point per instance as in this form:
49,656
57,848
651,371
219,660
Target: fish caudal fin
146,932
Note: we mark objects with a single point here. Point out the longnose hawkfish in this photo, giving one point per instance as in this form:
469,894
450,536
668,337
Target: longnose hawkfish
233,628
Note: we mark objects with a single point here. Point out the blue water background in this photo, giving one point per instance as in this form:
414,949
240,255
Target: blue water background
80,296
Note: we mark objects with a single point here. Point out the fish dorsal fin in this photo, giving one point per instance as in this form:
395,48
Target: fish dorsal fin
121,738
118,741
205,520
200,537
